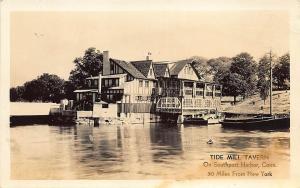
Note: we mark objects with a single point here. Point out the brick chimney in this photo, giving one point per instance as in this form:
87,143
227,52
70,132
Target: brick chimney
106,63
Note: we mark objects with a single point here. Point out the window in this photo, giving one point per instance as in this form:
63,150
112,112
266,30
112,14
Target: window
199,93
110,82
150,73
115,69
154,84
129,78
188,92
188,84
141,83
200,85
112,68
110,97
218,94
104,105
146,83
105,83
209,93
95,82
209,90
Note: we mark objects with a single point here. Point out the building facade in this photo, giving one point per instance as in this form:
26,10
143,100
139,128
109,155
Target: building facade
150,91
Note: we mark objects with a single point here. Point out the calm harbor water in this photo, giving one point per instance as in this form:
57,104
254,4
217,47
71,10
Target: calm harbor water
131,151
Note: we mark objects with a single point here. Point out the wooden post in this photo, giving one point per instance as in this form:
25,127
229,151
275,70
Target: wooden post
99,84
194,89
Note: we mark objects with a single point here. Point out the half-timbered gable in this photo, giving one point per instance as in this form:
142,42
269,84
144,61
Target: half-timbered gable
184,70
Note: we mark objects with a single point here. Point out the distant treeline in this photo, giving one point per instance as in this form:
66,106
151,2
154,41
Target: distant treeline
45,88
240,76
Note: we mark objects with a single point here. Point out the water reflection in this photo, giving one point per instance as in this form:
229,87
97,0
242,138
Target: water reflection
166,142
131,151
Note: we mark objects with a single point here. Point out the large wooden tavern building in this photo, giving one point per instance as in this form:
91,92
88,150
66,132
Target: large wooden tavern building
150,91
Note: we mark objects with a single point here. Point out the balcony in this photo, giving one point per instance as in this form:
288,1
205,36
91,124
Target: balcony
174,105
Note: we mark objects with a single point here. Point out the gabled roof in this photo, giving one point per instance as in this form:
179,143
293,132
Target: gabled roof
179,65
128,67
160,69
142,66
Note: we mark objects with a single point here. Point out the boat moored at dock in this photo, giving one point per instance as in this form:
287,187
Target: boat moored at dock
195,121
258,123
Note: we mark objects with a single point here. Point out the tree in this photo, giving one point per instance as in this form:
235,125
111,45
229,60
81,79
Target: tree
244,65
219,67
281,72
69,89
201,67
233,84
88,65
46,88
263,73
16,93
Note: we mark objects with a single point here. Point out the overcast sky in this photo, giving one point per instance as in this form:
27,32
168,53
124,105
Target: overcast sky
49,41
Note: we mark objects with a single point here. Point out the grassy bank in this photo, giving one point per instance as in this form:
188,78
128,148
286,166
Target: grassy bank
253,104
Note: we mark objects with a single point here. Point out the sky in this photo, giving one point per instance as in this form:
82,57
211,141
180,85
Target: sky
43,42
